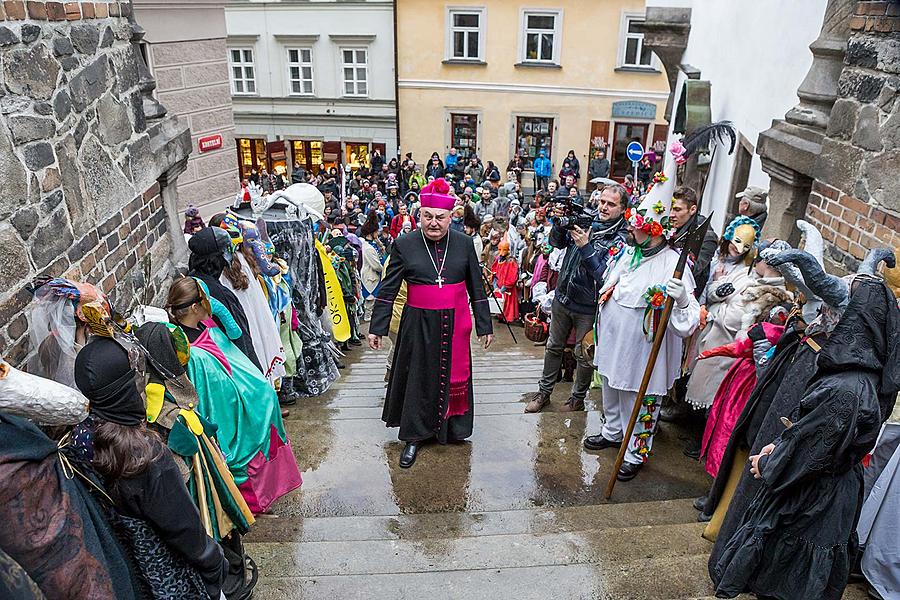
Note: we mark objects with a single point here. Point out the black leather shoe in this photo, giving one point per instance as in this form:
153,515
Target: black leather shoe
628,471
598,442
704,518
408,456
700,503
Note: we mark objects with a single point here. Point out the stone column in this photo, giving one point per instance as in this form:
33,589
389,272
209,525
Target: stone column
792,190
168,189
790,148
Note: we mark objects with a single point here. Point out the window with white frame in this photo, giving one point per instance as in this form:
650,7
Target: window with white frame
355,70
465,39
541,36
243,77
300,71
634,53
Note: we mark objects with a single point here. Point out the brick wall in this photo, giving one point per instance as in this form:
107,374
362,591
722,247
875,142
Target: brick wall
850,226
856,196
81,164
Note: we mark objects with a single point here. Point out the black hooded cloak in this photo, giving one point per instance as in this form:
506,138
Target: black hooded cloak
797,539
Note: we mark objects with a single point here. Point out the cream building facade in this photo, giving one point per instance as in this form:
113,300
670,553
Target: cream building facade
500,76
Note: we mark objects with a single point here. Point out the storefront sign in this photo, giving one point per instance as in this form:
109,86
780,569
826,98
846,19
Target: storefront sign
633,109
209,143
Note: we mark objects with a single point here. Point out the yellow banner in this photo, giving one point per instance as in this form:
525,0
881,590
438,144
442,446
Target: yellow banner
340,323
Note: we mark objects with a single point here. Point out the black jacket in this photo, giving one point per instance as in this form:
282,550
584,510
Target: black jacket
583,268
159,496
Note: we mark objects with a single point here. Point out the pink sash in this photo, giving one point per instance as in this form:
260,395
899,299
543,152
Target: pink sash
451,296
206,342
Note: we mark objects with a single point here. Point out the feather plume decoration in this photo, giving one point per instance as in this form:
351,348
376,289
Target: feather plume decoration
700,138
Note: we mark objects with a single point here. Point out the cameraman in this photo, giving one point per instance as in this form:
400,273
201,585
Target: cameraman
575,299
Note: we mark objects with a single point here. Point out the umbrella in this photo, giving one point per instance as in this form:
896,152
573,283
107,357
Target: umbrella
604,181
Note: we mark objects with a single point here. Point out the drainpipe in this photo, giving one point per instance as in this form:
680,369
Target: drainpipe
396,81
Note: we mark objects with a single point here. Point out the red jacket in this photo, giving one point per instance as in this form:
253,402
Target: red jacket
397,225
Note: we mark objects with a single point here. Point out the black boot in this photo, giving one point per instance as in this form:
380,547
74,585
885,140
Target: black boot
408,456
285,397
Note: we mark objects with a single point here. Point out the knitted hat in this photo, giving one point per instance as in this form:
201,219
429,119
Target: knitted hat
436,195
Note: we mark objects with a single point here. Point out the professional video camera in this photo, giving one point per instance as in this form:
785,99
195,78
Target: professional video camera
574,214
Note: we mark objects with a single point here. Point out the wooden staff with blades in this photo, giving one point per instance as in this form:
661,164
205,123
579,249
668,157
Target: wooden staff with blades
691,245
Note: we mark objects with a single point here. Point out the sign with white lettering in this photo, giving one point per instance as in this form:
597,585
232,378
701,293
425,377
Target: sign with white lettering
209,143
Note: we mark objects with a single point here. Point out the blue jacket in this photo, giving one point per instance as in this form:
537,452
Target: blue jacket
542,167
450,161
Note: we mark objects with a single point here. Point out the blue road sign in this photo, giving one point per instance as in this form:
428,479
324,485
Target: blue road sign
634,152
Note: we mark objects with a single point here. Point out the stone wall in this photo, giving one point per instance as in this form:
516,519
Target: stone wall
192,82
84,167
856,196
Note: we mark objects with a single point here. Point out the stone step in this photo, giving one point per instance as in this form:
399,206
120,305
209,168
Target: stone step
652,579
512,461
414,527
605,547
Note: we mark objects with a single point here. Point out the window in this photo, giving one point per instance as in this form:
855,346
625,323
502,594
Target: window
243,79
534,134
356,155
355,66
465,39
541,36
251,155
634,53
464,134
300,70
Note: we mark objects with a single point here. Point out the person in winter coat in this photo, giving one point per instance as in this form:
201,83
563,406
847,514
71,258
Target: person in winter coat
516,165
435,168
573,162
377,160
486,206
298,174
543,170
475,170
403,217
599,165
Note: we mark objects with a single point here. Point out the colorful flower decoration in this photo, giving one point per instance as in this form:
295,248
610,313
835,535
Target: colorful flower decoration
676,149
655,297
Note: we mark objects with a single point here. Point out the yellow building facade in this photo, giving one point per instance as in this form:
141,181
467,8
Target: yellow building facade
500,76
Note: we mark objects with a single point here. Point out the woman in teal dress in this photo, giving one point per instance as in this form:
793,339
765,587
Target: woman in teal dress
234,395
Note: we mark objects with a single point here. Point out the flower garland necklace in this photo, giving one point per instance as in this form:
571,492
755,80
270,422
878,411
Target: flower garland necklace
655,297
438,268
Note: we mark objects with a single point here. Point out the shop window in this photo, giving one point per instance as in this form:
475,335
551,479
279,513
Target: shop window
464,134
243,77
308,154
355,71
534,134
252,155
300,71
356,155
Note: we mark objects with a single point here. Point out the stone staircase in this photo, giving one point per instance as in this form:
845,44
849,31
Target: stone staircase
516,512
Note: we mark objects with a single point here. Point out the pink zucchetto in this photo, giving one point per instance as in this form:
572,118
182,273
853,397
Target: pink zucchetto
435,195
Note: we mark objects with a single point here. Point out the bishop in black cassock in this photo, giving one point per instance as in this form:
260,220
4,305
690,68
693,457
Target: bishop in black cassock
429,393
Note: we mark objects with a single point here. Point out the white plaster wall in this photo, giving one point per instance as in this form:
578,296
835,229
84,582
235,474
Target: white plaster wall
271,19
755,54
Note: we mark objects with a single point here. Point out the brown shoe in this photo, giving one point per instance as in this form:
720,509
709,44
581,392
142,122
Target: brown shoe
285,412
539,400
572,405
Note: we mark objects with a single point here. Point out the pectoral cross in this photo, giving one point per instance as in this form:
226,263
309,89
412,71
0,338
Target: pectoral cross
439,281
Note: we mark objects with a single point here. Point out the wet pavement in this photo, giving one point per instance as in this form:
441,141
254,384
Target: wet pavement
517,511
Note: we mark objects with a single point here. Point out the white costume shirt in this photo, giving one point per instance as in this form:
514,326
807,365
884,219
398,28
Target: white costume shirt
622,348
